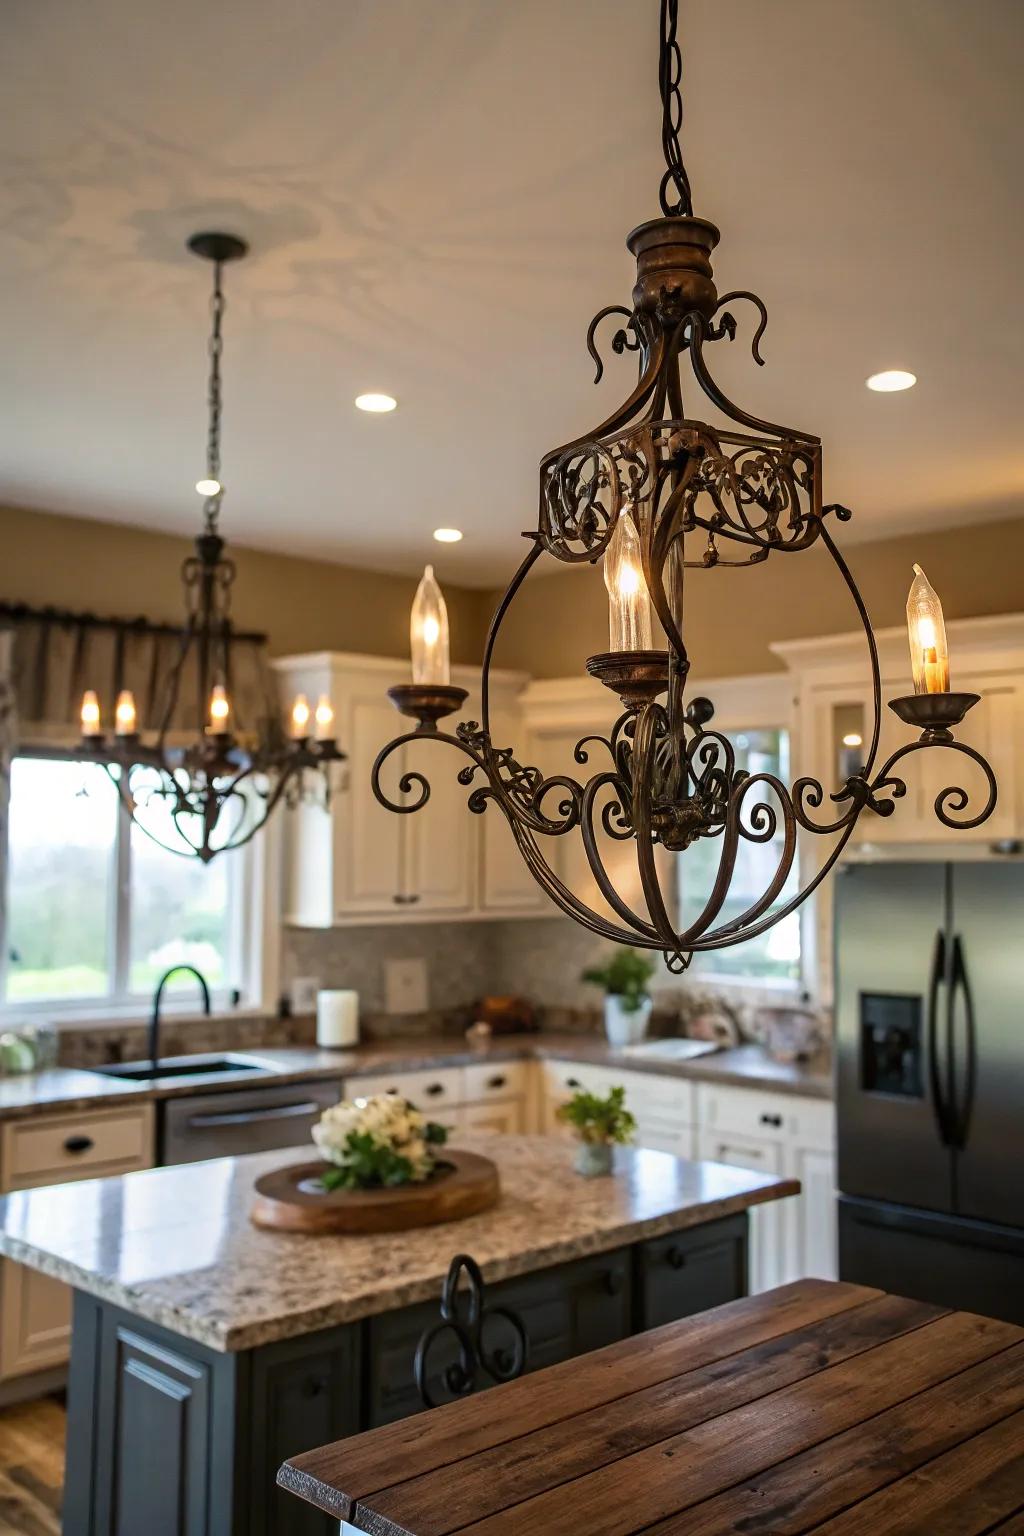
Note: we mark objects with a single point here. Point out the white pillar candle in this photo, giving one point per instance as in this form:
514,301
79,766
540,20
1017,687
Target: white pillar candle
337,1019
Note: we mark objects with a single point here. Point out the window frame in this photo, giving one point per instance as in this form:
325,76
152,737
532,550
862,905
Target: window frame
248,977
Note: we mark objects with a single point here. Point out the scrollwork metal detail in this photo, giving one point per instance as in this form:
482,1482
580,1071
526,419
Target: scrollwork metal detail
466,1325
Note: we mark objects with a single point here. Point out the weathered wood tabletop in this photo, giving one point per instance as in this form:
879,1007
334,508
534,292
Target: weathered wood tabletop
818,1407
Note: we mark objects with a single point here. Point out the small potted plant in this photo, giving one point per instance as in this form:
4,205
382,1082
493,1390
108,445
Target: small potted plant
627,1003
377,1143
598,1124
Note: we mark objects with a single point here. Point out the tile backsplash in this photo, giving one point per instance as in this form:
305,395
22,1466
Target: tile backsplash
538,958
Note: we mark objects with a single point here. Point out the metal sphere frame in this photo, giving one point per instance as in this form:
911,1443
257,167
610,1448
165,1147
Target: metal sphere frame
749,490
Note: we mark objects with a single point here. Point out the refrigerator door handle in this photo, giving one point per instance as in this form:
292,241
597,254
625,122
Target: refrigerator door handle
961,985
938,977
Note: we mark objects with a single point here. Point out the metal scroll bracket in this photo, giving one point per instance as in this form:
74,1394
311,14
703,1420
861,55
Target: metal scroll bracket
465,1317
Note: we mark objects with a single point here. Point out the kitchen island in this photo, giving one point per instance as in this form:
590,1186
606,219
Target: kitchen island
205,1351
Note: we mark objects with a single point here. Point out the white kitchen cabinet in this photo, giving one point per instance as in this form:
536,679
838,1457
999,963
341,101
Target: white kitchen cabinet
35,1310
832,686
791,1137
488,1096
354,861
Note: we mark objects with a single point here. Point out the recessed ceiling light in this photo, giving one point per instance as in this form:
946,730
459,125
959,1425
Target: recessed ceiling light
891,380
208,487
376,403
447,535
853,739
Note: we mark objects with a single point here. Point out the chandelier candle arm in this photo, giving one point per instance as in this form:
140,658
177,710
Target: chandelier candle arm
430,696
653,492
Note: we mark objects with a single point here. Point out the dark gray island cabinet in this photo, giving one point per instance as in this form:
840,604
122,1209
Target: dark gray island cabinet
205,1352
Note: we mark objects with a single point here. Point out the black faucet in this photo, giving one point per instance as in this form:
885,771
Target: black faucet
154,1021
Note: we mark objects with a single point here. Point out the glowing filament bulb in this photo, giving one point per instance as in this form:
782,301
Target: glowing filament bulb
629,602
428,633
90,715
324,716
929,656
300,717
125,716
220,710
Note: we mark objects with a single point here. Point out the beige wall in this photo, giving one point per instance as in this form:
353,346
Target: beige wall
303,605
557,621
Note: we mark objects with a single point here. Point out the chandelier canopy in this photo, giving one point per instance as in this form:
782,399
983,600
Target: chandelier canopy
213,792
640,491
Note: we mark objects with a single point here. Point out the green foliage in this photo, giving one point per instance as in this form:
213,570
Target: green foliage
625,975
596,1119
370,1164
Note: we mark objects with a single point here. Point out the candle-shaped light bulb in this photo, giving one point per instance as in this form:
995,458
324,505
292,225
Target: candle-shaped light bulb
300,717
428,633
220,710
125,717
324,716
929,656
629,602
91,714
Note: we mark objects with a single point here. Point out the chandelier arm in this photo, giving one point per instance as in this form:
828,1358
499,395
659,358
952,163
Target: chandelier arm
646,385
717,396
494,628
953,795
869,634
608,891
620,341
644,761
654,557
786,856
564,898
727,324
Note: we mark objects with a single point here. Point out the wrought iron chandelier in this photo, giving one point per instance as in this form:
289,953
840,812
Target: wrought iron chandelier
217,790
638,490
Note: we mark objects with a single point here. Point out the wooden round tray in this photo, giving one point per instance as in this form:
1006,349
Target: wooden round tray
466,1185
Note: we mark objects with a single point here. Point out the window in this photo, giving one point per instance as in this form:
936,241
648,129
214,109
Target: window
97,911
775,956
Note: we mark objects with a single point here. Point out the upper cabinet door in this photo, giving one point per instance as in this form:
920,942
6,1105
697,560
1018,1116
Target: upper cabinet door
370,863
441,837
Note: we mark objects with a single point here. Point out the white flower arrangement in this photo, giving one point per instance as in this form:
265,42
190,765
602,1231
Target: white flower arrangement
375,1142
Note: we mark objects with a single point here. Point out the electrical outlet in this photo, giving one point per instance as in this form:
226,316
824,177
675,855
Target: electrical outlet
405,986
303,994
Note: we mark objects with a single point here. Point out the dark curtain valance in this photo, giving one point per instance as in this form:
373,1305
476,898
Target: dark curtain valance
57,655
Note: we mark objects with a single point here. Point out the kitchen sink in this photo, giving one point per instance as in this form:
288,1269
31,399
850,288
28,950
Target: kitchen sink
672,1049
183,1068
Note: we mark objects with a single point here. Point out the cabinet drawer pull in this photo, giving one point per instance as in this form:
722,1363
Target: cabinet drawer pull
433,1089
498,1081
613,1282
573,1082
676,1257
78,1144
775,1120
401,900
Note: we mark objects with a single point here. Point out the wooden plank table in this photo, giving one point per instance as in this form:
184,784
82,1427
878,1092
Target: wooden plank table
819,1407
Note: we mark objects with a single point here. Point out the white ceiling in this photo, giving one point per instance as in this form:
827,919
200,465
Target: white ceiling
437,194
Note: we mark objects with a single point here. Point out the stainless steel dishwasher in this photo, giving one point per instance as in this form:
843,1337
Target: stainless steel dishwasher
201,1125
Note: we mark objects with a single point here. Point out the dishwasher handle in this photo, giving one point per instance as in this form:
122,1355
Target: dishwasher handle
253,1116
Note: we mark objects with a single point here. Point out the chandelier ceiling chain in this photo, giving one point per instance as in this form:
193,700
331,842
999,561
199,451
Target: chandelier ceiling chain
653,494
670,81
215,349
203,796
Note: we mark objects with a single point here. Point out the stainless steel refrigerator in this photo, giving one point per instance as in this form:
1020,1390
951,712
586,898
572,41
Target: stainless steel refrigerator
930,1081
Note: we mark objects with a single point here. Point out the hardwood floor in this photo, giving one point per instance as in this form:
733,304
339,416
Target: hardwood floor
32,1468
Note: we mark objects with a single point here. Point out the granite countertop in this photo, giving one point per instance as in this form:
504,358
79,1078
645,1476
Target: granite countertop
70,1089
176,1245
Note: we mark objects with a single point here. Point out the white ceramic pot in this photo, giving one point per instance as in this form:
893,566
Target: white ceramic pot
593,1158
623,1027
